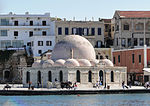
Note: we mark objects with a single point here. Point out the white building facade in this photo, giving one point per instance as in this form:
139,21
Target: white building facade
30,30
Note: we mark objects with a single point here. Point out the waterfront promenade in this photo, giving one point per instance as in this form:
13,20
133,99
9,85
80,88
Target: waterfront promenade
19,90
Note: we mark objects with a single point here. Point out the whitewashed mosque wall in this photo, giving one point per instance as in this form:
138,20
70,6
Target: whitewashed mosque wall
70,74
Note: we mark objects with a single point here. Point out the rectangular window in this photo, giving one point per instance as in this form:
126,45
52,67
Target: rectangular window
40,43
123,42
59,31
17,43
148,41
66,31
86,31
117,41
126,27
117,28
40,51
44,23
3,33
92,31
44,33
114,60
15,23
5,43
28,43
118,58
15,33
99,31
4,22
48,43
129,42
31,23
132,58
139,58
141,42
30,33
135,42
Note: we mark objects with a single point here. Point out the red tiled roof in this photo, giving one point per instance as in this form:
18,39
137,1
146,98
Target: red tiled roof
134,14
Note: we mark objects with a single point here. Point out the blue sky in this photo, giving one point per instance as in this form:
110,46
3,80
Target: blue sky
73,8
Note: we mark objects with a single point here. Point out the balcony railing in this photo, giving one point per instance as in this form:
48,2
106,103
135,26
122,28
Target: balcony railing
24,25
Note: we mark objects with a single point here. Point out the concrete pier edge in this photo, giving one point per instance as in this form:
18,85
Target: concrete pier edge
69,92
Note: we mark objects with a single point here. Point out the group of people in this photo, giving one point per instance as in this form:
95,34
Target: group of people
99,84
147,85
125,86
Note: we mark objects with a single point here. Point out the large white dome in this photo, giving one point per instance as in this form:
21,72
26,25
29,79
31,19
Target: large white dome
73,46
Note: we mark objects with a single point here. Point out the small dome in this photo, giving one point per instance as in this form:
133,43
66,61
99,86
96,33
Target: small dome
107,62
36,64
47,63
59,62
72,63
84,62
94,62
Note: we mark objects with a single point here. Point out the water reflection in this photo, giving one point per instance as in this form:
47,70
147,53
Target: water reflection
74,100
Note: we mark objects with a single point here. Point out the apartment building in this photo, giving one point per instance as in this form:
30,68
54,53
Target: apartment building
29,30
131,29
91,30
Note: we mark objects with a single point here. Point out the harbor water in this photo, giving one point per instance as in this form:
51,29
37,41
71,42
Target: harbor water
78,100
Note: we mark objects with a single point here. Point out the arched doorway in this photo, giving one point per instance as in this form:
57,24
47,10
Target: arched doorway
60,76
6,75
112,76
27,77
90,76
78,76
50,76
39,77
101,76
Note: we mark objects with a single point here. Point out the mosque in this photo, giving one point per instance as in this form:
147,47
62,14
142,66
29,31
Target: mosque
73,59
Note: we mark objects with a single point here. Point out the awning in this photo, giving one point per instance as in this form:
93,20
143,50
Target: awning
146,69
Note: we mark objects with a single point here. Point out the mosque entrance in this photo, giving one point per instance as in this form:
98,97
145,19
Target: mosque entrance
60,76
101,76
28,77
78,76
6,75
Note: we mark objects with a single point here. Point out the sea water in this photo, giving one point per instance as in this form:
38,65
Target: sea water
78,100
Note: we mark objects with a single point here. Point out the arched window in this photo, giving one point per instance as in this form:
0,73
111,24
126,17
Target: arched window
27,77
90,76
50,76
78,76
112,76
7,73
60,76
101,76
39,77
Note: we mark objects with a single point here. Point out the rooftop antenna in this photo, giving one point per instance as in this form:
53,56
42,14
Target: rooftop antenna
92,18
73,18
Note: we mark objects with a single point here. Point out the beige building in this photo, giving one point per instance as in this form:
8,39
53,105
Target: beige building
73,59
132,29
93,31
